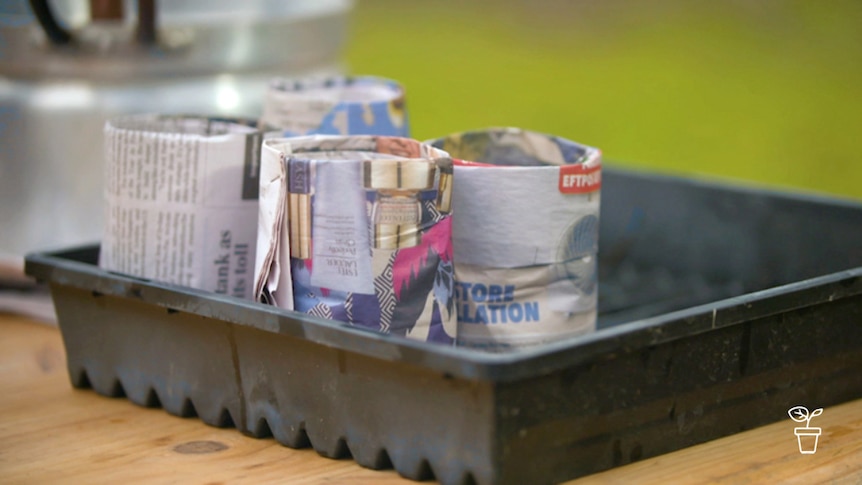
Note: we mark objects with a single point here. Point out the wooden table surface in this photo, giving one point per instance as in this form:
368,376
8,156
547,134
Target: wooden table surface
51,433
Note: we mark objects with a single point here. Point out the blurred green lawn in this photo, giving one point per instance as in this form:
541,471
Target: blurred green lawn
768,91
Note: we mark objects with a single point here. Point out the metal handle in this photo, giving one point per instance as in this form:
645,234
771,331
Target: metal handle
146,32
56,34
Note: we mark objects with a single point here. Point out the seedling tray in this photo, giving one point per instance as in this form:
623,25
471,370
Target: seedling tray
721,307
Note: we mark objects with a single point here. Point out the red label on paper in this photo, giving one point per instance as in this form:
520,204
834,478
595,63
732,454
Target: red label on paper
466,163
578,179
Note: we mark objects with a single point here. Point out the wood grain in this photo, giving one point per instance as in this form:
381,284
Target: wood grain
51,433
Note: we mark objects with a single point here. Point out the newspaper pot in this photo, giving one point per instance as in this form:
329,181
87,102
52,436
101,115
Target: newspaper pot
807,438
369,233
55,98
525,237
181,200
336,105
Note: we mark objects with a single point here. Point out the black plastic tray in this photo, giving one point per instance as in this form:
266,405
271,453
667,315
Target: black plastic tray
720,308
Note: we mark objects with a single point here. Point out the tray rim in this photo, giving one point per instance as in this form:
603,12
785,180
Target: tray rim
459,362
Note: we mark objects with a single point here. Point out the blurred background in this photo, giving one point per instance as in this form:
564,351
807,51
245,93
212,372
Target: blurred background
766,91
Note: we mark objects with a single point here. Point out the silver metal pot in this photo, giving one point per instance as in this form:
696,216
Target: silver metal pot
59,84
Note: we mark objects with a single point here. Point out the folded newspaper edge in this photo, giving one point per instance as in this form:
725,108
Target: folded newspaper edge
358,229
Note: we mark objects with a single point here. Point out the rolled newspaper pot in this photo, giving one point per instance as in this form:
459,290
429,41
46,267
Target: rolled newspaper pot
361,105
358,229
181,201
525,237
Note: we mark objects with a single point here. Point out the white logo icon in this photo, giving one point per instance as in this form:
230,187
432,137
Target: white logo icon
807,436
